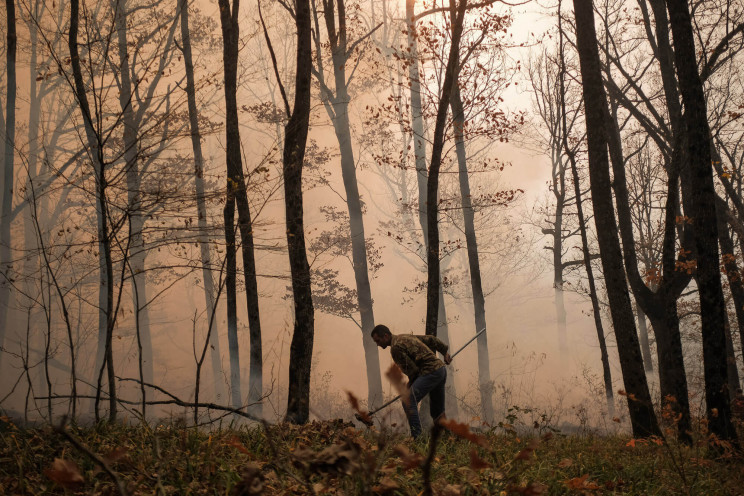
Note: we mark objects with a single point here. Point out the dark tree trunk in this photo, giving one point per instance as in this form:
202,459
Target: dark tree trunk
201,207
457,14
479,304
104,356
660,306
6,191
703,213
236,191
295,139
643,419
596,311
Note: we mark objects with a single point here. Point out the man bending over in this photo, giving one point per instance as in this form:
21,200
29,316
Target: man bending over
416,357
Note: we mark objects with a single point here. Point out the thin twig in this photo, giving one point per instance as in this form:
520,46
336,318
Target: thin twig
100,461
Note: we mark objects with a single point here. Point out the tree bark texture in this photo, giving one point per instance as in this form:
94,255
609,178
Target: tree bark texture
643,419
295,140
236,191
433,285
570,153
703,213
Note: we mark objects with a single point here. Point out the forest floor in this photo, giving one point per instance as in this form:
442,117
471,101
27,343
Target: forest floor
338,458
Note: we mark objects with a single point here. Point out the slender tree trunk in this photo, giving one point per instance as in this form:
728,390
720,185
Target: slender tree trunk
485,386
201,206
337,106
236,191
231,293
358,244
419,152
6,191
596,311
433,285
417,118
295,140
733,274
134,193
104,355
703,213
643,419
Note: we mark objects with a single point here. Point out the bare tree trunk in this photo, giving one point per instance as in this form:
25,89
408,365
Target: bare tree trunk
596,311
704,223
485,386
433,283
236,191
6,191
201,207
337,106
295,139
104,355
643,419
134,193
419,152
732,374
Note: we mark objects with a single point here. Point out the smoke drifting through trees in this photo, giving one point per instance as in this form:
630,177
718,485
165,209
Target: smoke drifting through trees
135,143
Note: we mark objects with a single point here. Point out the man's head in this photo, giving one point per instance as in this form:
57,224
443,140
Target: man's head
382,336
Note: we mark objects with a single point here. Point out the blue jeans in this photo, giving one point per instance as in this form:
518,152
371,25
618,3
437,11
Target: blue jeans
433,385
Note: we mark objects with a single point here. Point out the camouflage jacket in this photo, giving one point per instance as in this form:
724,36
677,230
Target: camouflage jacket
416,355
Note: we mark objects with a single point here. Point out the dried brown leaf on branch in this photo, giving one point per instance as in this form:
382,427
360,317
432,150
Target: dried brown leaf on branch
581,484
385,486
526,452
66,473
363,414
395,376
112,457
476,462
463,430
410,460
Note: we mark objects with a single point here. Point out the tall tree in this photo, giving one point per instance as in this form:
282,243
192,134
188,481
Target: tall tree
642,416
336,102
703,212
295,140
94,143
201,207
236,194
6,187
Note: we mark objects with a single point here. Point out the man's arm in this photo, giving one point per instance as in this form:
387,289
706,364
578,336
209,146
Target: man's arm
405,363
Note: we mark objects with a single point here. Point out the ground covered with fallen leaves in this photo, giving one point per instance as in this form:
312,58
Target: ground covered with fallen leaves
341,458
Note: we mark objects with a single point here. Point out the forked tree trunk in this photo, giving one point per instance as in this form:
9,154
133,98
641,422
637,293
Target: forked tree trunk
238,196
337,107
596,310
703,212
643,419
134,194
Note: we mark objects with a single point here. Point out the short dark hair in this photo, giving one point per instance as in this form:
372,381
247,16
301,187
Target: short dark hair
381,330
